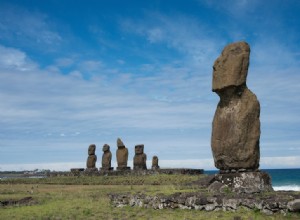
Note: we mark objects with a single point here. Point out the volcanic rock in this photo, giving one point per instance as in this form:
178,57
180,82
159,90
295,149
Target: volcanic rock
122,155
245,182
106,158
139,160
155,163
236,124
92,158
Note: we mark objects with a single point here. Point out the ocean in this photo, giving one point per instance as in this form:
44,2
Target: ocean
282,179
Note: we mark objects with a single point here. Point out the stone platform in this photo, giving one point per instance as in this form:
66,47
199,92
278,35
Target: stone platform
244,182
277,202
80,172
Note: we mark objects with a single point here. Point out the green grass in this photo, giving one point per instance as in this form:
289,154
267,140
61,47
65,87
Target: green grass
107,180
86,198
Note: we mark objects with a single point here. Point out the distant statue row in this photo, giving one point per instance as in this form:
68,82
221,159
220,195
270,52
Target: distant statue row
139,160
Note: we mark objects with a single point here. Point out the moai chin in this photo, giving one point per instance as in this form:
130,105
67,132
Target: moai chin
92,158
139,160
122,156
236,124
155,163
106,158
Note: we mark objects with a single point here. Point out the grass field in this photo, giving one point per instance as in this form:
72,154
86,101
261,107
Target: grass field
86,198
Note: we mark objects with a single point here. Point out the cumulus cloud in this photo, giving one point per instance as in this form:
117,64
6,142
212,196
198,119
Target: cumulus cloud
11,58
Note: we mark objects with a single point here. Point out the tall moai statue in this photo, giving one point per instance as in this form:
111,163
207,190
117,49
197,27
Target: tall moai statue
140,158
122,155
155,163
106,158
236,124
92,158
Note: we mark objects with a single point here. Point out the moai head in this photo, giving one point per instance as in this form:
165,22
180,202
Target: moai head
92,149
120,143
139,149
105,148
231,67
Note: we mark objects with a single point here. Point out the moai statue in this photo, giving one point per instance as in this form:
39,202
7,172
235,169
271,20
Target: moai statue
155,163
139,160
92,158
122,156
236,124
106,158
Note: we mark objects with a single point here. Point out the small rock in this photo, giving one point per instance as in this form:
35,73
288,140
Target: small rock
267,211
294,206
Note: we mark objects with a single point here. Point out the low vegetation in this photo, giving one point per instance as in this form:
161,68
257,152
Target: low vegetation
86,198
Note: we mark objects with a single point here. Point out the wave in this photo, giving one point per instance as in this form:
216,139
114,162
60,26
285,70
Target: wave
287,188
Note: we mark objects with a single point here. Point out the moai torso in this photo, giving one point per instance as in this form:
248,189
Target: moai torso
122,154
155,163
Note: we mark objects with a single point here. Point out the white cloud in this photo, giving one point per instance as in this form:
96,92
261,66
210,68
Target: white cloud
91,65
280,162
28,28
182,33
237,8
11,58
64,62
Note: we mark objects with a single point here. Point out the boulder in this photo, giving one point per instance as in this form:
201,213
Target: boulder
294,206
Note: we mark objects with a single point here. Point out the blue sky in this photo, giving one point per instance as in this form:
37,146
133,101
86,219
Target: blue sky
74,73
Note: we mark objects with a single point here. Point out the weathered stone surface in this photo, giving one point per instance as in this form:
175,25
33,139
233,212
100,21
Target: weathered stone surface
294,206
76,171
155,163
106,158
127,172
120,143
92,149
231,68
216,187
91,161
92,158
246,182
236,124
140,158
266,203
122,155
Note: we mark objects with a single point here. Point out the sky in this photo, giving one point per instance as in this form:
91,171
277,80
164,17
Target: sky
73,73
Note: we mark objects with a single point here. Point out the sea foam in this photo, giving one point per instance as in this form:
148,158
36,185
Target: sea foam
287,188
